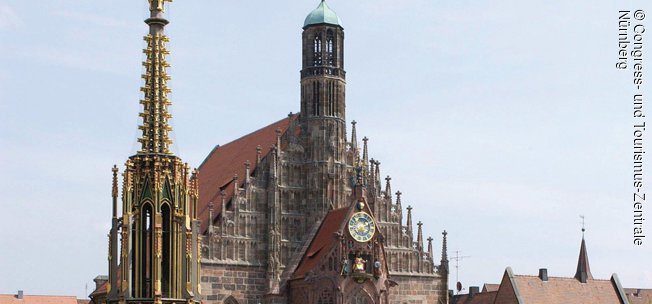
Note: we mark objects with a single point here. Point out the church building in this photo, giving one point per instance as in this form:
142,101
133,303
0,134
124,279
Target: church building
295,212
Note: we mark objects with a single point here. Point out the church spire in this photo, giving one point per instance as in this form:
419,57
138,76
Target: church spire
159,199
155,128
583,272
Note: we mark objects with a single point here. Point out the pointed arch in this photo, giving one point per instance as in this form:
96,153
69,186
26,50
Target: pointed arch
166,250
330,47
230,300
143,259
317,50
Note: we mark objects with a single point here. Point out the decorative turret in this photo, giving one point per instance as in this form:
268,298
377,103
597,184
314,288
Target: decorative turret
430,239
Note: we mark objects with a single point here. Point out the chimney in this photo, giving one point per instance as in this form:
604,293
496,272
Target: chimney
473,290
543,274
19,296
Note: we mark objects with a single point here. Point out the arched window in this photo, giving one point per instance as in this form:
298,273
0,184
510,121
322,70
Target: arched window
317,50
330,48
326,297
145,261
165,251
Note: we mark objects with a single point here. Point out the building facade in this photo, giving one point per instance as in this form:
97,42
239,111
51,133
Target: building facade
582,288
266,197
295,212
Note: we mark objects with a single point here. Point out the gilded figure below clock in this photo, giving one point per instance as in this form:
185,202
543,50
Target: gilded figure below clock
362,227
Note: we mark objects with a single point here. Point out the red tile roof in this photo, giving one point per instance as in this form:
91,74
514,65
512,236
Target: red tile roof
478,298
323,242
639,296
224,162
490,287
30,299
565,290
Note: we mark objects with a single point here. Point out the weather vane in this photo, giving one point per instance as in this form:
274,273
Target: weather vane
583,225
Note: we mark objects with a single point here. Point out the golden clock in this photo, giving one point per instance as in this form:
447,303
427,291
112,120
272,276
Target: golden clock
362,227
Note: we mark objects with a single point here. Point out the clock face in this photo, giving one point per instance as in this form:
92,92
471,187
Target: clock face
362,227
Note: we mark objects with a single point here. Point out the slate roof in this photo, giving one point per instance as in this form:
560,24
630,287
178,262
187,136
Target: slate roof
224,162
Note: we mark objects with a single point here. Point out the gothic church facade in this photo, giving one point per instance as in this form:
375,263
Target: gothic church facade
268,201
294,213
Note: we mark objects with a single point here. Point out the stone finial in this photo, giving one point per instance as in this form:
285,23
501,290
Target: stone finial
279,132
409,219
210,218
354,138
365,157
443,268
247,165
388,187
398,199
430,246
259,151
420,236
372,173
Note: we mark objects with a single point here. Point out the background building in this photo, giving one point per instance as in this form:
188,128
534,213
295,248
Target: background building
543,289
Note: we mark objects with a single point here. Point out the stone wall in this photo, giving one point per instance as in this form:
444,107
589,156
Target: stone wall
415,290
245,284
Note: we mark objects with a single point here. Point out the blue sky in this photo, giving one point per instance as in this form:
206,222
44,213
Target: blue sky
500,121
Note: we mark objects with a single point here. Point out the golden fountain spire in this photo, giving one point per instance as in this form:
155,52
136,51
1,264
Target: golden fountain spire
155,138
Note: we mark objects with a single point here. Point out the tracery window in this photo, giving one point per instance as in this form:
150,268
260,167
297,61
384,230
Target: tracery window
330,38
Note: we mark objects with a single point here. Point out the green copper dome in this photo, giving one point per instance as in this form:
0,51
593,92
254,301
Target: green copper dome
322,14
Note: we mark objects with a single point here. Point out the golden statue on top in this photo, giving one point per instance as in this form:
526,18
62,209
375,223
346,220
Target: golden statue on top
157,4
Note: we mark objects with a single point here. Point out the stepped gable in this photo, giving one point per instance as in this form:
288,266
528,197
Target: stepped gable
224,162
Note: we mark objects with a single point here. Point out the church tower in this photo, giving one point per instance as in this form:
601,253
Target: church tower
323,106
156,260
